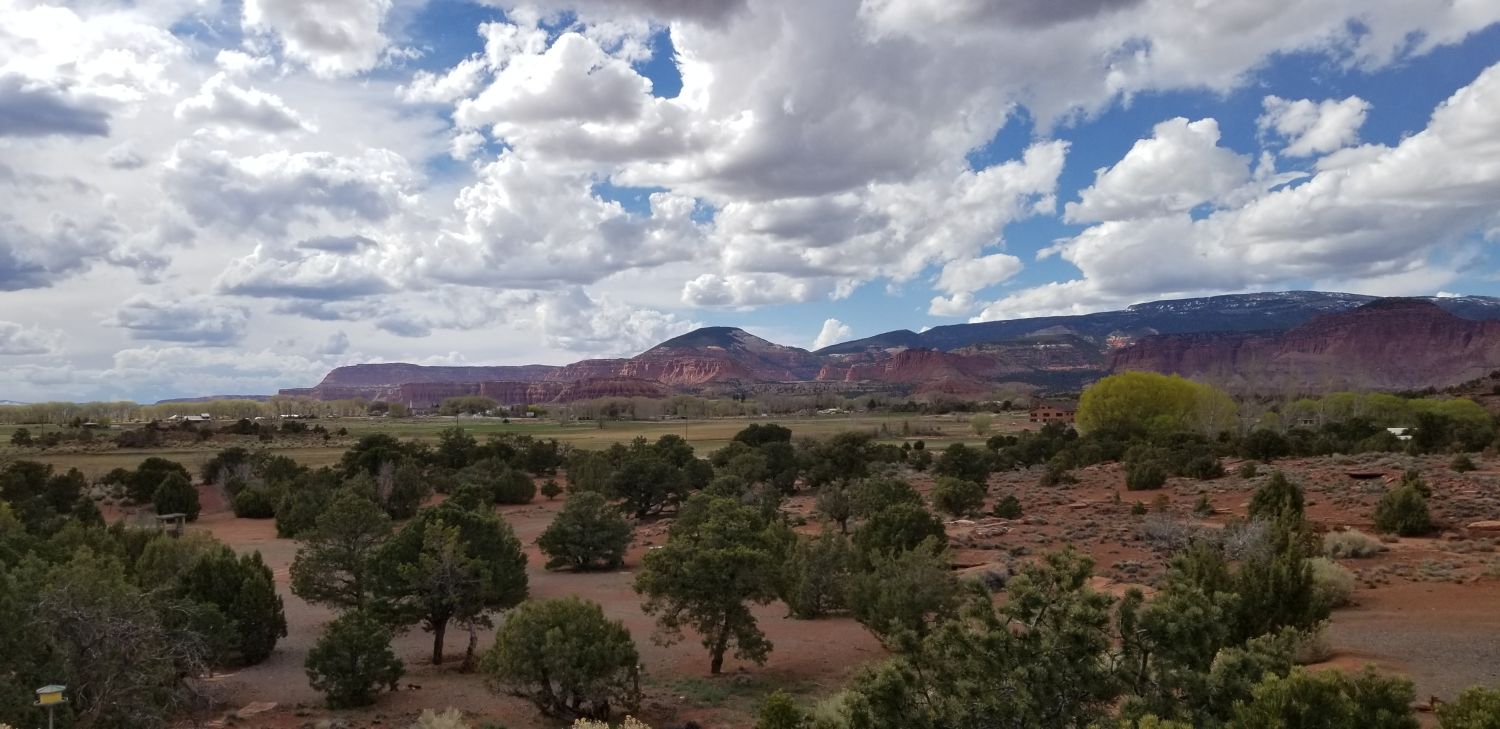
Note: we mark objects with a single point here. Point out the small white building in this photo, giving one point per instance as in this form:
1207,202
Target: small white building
1400,433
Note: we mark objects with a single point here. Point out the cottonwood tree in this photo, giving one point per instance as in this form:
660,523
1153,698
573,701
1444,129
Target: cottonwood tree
451,566
719,558
336,564
566,657
588,533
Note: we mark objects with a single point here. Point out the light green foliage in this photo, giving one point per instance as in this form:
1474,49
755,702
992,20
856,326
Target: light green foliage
567,658
780,711
1139,402
957,497
718,559
1475,708
1333,585
176,495
980,423
588,533
1403,511
353,660
450,565
336,564
903,594
817,573
1328,700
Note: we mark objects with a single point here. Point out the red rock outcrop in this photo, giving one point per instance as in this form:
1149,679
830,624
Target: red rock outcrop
1389,344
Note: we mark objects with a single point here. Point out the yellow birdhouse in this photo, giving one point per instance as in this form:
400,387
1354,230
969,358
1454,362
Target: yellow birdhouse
50,695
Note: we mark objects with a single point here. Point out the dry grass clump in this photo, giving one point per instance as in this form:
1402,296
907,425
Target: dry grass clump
1352,544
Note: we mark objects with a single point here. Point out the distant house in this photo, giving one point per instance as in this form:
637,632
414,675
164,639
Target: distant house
1400,433
200,418
1052,412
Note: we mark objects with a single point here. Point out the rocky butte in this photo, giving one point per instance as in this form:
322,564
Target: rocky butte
1269,341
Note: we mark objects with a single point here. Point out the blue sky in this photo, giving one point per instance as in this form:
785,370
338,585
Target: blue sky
237,196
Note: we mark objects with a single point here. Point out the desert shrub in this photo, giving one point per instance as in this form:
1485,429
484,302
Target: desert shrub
1476,708
1008,507
898,528
450,719
957,497
1462,463
1203,468
1144,476
836,503
905,593
877,494
1351,544
352,660
780,711
1203,506
176,495
588,533
1139,508
1330,699
817,574
550,489
961,461
568,658
254,504
1056,474
629,723
1249,469
1265,445
1403,511
1333,585
920,460
1277,498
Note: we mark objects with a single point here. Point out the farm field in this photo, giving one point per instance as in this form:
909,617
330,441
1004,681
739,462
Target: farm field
705,435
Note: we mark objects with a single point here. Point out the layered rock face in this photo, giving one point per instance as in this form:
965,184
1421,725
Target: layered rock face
1253,341
1389,344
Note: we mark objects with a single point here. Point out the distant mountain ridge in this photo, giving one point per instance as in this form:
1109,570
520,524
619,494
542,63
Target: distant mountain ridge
1248,338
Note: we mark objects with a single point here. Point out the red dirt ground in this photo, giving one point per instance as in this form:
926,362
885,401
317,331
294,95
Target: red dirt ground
1429,608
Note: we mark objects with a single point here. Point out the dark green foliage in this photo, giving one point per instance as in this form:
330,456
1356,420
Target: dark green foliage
252,503
816,575
371,453
919,460
456,449
1008,507
840,457
504,484
1403,511
1147,475
1277,498
550,489
567,658
1056,474
1040,660
1328,700
964,462
898,528
219,468
957,497
176,495
901,595
647,484
403,489
589,471
41,498
836,504
1265,446
873,495
1203,468
588,533
1475,708
1249,469
21,438
759,434
450,565
336,564
353,660
305,498
718,559
1462,463
242,590
780,711
140,485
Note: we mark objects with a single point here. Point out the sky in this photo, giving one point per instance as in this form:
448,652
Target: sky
203,197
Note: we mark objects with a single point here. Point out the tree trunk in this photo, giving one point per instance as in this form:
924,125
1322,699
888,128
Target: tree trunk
469,653
721,644
438,631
